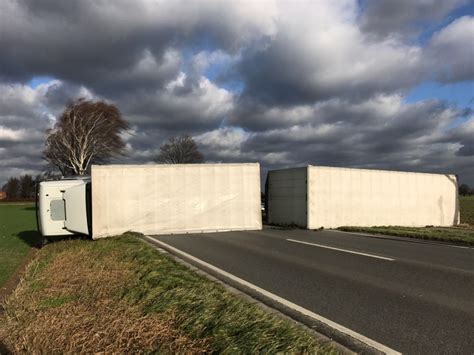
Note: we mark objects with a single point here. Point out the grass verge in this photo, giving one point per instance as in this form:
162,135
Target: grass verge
121,295
458,235
17,235
466,206
463,234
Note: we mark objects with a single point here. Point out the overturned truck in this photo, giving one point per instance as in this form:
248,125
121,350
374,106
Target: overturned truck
152,199
326,197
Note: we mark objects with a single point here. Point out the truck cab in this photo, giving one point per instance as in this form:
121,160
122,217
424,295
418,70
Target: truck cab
63,207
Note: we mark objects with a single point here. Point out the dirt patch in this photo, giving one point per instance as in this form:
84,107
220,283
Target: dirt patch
15,278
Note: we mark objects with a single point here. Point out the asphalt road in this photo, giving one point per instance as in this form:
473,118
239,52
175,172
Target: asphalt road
414,297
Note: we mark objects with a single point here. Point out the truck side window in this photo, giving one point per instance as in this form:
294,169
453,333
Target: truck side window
58,210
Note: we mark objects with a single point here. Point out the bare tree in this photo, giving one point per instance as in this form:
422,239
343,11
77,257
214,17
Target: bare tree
180,150
86,132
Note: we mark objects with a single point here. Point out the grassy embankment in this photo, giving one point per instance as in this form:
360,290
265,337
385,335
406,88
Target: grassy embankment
461,234
121,295
17,236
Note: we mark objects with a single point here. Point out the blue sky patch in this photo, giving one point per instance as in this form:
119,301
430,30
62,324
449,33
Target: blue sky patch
38,80
460,95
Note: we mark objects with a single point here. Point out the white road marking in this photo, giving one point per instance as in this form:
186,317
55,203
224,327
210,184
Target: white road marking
460,247
343,250
370,342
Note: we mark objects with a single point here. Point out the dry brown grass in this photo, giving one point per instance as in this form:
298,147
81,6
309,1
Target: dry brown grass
119,295
61,307
80,328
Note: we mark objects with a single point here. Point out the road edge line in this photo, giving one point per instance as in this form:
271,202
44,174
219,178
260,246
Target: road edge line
340,328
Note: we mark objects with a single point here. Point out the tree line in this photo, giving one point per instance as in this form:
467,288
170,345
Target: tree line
465,190
20,188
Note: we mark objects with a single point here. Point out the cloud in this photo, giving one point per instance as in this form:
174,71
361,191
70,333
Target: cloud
7,134
195,105
378,126
319,52
88,42
463,136
451,51
403,17
383,132
223,144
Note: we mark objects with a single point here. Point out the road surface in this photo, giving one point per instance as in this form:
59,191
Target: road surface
415,297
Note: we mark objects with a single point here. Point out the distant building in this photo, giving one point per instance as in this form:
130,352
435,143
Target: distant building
3,195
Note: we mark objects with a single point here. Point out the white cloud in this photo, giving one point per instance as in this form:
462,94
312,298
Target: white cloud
11,134
451,51
197,105
222,144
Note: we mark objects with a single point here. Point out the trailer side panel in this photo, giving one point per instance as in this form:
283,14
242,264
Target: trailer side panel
162,199
359,197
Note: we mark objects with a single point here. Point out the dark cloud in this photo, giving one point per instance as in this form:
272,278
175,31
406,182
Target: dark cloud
403,17
96,43
463,136
382,133
312,64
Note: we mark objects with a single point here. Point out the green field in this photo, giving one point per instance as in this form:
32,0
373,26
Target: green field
17,236
466,205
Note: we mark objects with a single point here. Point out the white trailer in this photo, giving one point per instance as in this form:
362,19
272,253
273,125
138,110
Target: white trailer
153,199
325,197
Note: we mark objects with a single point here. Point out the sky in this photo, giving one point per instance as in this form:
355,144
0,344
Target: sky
384,84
